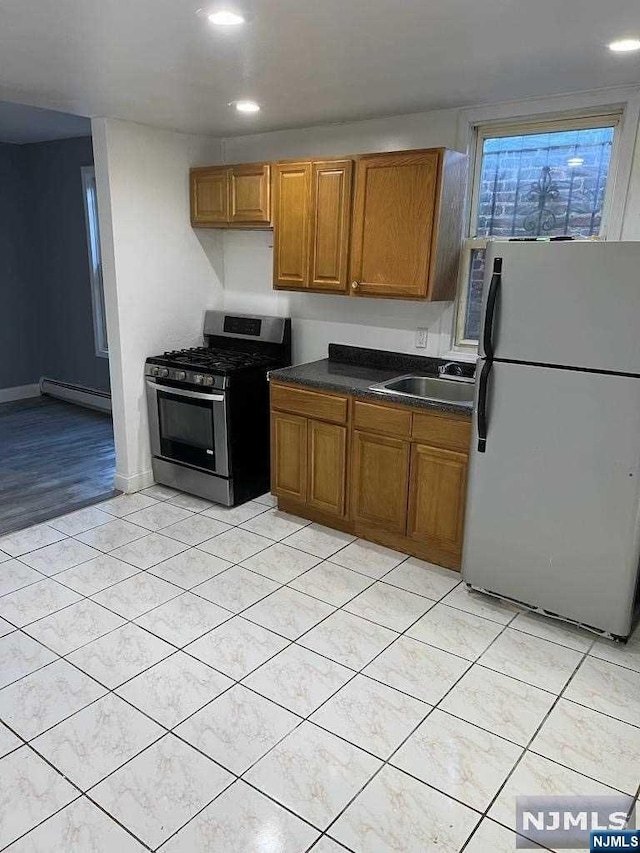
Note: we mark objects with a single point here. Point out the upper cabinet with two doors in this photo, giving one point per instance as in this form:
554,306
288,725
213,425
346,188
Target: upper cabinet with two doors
381,225
223,196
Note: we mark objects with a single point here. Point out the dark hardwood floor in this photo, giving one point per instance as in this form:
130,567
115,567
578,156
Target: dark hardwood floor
54,458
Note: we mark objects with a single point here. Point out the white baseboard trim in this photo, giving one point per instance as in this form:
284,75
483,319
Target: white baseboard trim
134,483
19,392
81,396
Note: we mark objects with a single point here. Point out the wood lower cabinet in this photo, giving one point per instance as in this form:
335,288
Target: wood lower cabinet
289,456
379,481
327,467
223,196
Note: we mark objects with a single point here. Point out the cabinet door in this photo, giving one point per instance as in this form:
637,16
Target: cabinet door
209,197
379,481
250,194
289,456
327,467
291,188
437,497
330,224
393,224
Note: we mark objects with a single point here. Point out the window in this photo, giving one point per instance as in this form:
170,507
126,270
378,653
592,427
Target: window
95,260
535,180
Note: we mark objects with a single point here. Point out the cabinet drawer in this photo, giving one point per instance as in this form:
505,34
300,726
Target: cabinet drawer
312,404
384,419
442,430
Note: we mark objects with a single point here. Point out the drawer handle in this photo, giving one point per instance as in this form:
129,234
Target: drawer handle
355,285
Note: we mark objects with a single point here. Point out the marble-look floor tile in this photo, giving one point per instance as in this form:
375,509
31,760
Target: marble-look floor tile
240,820
235,589
74,626
274,524
5,627
59,556
481,605
81,827
20,655
8,741
135,595
331,583
415,668
45,697
35,601
237,647
80,520
23,541
624,655
371,715
4,557
195,529
30,791
368,558
110,536
237,728
158,516
319,541
267,499
423,578
539,776
174,689
190,502
235,514
491,837
313,773
15,575
498,703
236,545
396,812
183,619
554,630
126,504
327,845
98,739
528,658
461,760
298,679
120,655
281,562
592,744
389,606
159,492
149,550
161,789
455,631
348,639
190,568
97,574
605,687
289,612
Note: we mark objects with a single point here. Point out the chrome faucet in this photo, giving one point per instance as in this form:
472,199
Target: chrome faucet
451,368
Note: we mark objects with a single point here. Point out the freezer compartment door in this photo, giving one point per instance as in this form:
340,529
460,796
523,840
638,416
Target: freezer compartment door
552,502
572,304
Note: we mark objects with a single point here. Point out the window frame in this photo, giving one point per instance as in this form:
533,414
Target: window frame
481,131
92,230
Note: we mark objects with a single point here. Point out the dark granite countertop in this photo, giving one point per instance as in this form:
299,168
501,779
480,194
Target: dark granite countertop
352,370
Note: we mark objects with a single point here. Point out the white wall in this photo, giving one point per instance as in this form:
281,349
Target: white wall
159,275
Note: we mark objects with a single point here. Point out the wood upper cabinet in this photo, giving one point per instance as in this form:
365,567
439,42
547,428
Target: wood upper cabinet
209,196
330,212
231,195
289,456
407,224
437,497
291,189
379,481
327,454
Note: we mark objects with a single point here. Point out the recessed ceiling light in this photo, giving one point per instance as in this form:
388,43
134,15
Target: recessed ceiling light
625,45
226,18
246,106
575,161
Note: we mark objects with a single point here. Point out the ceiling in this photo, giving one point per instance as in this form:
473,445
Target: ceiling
20,124
161,62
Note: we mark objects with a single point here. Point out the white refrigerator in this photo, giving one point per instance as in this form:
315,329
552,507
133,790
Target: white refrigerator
553,502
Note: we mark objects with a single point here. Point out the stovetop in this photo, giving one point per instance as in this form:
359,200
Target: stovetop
212,359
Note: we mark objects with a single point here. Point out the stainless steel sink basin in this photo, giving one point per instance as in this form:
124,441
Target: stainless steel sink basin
458,391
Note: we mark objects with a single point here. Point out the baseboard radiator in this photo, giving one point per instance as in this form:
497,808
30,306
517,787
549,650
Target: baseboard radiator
78,394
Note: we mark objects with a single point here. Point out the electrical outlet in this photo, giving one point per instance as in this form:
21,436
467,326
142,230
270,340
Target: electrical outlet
421,338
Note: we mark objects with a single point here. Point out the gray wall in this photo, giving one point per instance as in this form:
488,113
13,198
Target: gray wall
46,283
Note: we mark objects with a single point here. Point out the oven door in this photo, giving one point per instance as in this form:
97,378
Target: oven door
189,427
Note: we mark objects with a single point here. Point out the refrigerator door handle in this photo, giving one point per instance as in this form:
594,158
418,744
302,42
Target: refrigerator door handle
482,406
492,296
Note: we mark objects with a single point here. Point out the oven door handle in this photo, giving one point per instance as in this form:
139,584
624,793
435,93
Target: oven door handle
182,392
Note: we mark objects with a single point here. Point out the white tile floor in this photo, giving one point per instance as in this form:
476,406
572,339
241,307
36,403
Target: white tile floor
181,677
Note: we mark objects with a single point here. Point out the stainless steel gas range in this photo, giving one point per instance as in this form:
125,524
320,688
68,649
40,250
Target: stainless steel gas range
209,407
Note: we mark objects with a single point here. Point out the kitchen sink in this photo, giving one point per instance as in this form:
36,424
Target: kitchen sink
439,390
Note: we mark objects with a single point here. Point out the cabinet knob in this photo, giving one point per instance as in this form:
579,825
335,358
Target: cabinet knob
355,285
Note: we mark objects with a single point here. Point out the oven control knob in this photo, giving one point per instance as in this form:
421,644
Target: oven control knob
162,371
154,371
198,378
180,375
207,380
